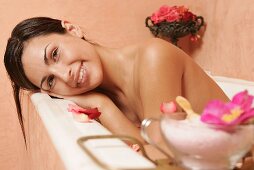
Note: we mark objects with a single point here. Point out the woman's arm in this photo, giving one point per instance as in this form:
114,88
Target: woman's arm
163,67
111,117
161,70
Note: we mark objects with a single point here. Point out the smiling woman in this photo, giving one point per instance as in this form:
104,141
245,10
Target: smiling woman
14,50
126,84
55,63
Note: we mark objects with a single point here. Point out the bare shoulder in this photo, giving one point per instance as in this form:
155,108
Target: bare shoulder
157,51
157,43
161,56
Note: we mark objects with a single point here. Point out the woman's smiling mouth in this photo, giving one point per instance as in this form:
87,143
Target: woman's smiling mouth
82,75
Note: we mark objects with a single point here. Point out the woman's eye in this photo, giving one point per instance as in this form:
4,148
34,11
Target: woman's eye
54,54
50,81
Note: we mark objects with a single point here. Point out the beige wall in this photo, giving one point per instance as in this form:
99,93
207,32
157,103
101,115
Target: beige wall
225,49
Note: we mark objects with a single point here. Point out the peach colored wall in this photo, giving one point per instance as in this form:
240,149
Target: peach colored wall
225,50
227,47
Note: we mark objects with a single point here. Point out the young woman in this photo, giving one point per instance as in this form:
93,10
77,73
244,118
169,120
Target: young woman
126,84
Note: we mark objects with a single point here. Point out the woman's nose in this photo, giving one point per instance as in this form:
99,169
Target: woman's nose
62,72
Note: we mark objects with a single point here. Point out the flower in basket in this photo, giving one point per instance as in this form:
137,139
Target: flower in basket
174,22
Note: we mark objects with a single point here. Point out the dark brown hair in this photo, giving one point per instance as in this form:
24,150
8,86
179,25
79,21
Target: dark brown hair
22,32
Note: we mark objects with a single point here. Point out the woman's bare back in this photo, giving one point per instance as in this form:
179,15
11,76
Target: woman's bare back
162,72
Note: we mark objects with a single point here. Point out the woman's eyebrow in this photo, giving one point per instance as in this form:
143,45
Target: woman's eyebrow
45,55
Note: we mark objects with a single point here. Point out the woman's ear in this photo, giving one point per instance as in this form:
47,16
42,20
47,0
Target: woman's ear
74,30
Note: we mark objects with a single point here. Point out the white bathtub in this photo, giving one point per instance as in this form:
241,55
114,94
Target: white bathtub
64,132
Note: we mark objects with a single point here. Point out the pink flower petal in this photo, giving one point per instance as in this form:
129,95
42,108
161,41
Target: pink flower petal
155,18
135,147
216,108
243,99
212,119
81,117
188,16
92,113
214,111
247,116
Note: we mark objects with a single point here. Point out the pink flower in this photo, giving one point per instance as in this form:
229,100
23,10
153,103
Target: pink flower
188,16
238,111
156,18
161,14
172,14
166,13
169,107
182,9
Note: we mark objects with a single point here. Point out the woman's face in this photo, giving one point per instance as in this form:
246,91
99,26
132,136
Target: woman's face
62,64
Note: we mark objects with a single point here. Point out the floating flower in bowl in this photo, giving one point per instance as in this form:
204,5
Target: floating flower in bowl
174,22
239,111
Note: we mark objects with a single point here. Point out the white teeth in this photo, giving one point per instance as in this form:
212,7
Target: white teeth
81,75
